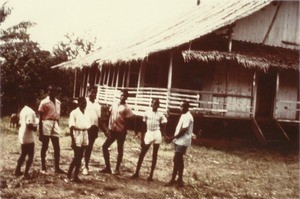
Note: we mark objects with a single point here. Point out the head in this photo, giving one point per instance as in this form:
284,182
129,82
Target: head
124,96
52,91
82,103
155,104
93,93
184,106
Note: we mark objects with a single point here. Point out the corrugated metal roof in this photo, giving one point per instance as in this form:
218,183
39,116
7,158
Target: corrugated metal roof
209,16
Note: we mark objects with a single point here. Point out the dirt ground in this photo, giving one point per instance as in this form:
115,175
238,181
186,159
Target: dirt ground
221,170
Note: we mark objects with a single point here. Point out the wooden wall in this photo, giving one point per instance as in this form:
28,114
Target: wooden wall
287,96
284,29
235,82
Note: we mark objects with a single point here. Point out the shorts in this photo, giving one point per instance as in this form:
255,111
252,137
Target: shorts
153,137
180,149
51,128
93,132
81,138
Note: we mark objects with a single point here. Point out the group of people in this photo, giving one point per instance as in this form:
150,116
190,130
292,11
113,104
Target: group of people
84,124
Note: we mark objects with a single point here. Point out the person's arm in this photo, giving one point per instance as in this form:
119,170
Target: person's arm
73,144
163,129
144,130
41,133
103,128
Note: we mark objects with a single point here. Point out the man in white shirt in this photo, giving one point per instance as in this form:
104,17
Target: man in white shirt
79,123
153,122
93,109
26,136
182,139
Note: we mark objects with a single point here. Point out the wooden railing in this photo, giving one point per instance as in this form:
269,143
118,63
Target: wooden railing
203,102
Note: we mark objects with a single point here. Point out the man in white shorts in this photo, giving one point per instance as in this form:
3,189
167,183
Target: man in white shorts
79,123
153,121
49,111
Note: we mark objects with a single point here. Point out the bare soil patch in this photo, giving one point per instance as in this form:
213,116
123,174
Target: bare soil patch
214,170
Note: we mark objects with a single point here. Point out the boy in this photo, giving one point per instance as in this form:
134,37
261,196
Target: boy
79,123
26,137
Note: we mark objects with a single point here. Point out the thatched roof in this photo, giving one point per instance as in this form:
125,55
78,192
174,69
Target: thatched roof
250,56
195,23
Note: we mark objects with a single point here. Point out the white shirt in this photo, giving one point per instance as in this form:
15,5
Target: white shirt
27,116
154,119
80,121
94,111
186,121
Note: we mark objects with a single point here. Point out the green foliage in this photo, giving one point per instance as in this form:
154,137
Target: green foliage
26,69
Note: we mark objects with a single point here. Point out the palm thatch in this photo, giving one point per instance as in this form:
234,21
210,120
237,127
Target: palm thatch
250,56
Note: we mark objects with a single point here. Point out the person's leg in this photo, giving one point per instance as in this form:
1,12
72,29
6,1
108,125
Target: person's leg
180,169
88,150
21,160
175,170
154,160
45,143
105,147
120,141
72,164
56,148
30,152
144,150
78,158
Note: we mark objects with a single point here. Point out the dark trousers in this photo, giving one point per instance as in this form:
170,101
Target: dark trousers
178,166
76,162
120,137
92,134
145,148
56,148
26,150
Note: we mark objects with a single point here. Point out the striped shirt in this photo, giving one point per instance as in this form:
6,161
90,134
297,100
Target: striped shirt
154,119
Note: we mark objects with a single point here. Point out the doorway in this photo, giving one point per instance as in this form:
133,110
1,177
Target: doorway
266,92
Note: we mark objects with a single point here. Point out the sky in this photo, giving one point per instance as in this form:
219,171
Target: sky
109,21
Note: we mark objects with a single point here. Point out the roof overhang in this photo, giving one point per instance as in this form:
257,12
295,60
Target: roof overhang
195,23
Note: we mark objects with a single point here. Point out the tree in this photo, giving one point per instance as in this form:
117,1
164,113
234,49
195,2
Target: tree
25,68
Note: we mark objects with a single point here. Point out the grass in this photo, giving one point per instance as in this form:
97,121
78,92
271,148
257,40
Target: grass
212,171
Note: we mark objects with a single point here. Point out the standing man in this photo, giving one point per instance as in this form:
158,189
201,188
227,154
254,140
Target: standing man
182,139
118,124
49,110
26,136
79,123
93,109
153,121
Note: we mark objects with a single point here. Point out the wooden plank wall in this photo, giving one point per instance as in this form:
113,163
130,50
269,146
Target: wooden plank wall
287,96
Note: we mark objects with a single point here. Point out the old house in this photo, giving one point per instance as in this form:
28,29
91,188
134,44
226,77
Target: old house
236,62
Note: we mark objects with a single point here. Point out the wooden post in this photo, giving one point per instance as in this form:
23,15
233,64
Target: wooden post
124,76
141,75
128,76
83,82
254,93
75,82
275,97
108,76
114,77
170,74
87,85
118,74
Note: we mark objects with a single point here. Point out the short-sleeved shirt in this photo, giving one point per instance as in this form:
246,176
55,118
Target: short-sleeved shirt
50,110
186,121
27,116
154,119
94,111
118,114
80,121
